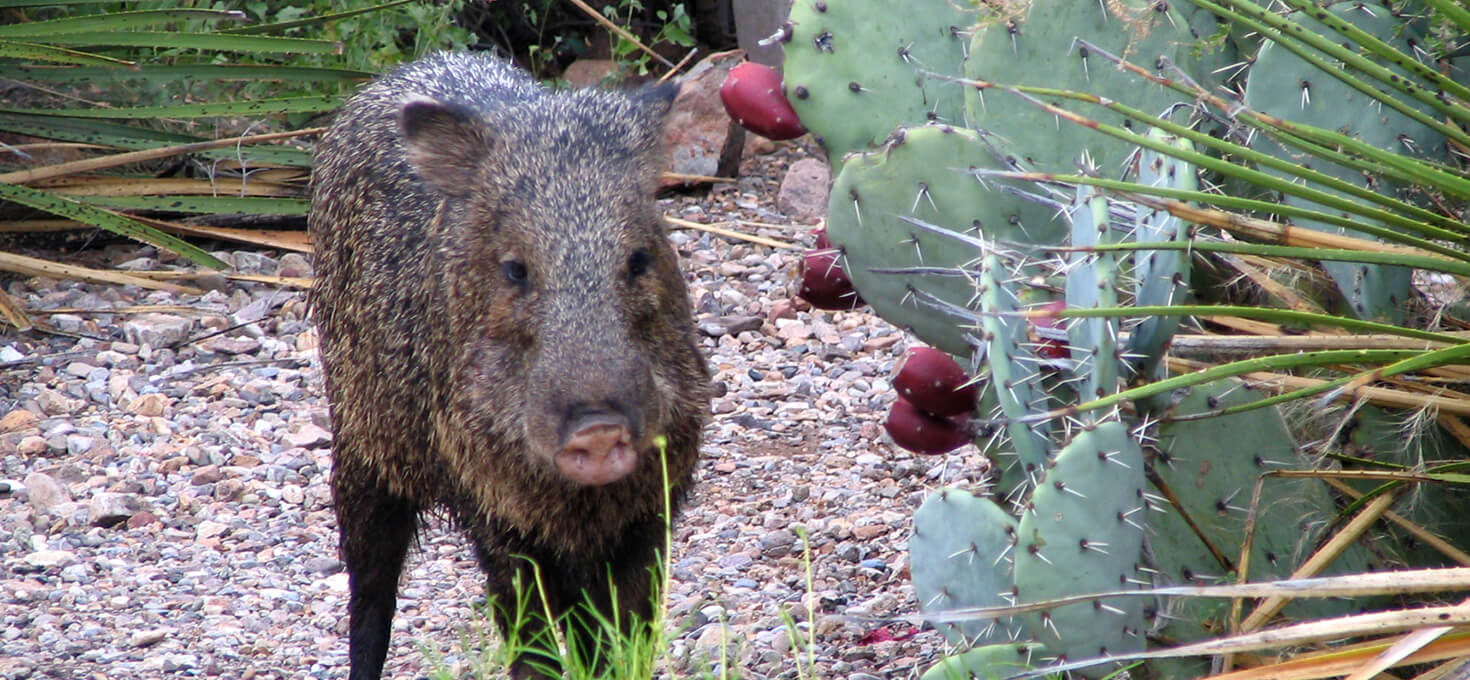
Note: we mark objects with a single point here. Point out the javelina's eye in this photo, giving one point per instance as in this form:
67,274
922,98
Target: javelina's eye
639,262
514,272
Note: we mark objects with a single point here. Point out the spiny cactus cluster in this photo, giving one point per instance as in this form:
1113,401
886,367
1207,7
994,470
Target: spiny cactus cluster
947,127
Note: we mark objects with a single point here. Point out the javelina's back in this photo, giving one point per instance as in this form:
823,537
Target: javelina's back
505,331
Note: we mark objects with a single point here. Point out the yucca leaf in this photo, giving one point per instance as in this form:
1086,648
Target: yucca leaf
1425,262
308,104
1250,12
1394,212
113,222
176,72
117,135
286,25
1133,191
203,205
1371,44
15,49
201,41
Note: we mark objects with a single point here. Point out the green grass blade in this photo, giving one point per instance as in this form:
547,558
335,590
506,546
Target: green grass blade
118,224
113,22
308,104
35,52
201,41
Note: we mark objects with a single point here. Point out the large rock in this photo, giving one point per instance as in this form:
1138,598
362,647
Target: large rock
701,138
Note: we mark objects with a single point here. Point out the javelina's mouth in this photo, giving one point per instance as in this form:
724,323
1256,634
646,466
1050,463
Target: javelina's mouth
597,454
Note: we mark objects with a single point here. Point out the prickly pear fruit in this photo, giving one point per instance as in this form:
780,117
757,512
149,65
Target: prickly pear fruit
825,284
932,381
752,96
921,432
823,242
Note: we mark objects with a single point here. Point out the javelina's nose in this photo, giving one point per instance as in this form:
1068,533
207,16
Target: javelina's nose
597,447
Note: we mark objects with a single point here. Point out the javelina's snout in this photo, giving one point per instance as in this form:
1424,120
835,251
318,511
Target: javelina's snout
598,445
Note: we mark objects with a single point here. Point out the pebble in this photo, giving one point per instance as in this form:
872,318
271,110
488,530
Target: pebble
179,491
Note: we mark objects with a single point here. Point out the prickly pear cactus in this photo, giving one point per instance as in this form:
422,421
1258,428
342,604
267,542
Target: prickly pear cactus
1288,87
1159,277
920,175
854,68
990,661
960,557
1208,470
1083,533
1092,282
1034,42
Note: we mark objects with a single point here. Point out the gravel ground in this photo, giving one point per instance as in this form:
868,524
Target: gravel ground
164,509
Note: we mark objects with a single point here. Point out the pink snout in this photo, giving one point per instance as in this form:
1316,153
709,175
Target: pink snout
599,451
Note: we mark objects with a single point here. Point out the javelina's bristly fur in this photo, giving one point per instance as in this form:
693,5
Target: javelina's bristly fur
504,330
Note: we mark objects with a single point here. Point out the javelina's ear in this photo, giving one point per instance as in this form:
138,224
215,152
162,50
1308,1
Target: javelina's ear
654,103
446,144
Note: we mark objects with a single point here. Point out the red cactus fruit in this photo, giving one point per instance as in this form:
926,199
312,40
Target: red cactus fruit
752,96
825,284
921,432
933,382
822,242
1047,345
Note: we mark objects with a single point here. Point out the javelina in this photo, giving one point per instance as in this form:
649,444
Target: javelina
504,332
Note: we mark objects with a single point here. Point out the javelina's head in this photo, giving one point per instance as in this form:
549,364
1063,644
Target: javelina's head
566,301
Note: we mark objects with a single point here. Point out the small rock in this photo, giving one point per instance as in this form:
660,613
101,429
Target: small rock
157,330
232,346
17,420
57,404
151,405
110,509
145,638
869,532
31,446
51,558
803,194
309,436
207,474
141,519
45,492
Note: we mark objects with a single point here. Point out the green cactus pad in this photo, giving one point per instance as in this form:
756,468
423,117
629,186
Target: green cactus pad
853,68
1034,43
988,663
1083,533
960,557
920,175
1014,381
1210,467
1092,282
1286,86
1159,277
